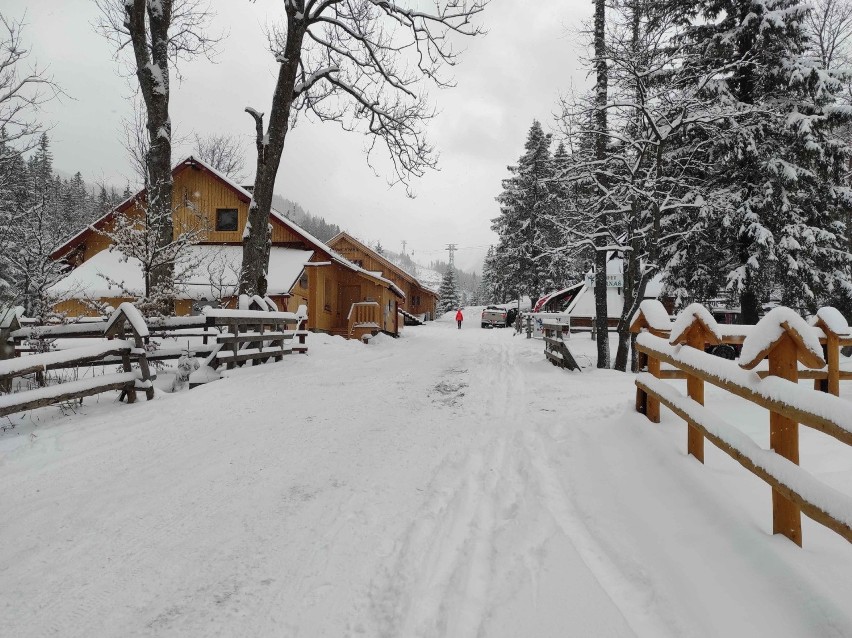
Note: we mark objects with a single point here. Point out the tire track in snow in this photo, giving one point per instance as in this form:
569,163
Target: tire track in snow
441,580
633,599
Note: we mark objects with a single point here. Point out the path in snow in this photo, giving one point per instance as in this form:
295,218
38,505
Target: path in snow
450,483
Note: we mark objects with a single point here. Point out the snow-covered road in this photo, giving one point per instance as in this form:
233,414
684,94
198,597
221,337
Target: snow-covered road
450,483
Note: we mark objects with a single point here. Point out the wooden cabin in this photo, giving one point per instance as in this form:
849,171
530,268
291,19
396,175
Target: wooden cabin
303,270
419,300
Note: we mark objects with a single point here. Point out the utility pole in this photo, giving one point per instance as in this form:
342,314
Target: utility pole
403,246
451,248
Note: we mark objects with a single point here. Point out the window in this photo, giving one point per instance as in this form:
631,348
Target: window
358,262
226,218
327,293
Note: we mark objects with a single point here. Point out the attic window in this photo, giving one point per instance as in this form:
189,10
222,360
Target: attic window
226,218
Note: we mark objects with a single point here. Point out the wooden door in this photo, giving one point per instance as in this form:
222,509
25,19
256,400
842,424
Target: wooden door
346,296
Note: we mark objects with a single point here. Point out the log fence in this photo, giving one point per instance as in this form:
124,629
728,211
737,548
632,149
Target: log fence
793,349
235,337
125,351
255,335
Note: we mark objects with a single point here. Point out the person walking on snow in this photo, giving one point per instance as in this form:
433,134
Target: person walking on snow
459,317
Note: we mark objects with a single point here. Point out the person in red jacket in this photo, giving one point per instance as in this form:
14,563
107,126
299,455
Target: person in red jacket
459,317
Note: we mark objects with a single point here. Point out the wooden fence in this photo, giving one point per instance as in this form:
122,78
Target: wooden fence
127,351
230,337
783,339
255,335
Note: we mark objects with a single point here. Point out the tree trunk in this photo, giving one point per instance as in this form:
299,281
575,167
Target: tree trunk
601,306
257,241
152,71
630,261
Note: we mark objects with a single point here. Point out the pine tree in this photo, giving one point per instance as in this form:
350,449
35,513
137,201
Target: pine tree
778,200
525,224
448,293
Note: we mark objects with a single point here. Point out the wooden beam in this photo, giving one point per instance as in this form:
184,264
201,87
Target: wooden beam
804,417
809,509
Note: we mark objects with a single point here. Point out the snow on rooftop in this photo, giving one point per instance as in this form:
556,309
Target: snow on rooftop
215,273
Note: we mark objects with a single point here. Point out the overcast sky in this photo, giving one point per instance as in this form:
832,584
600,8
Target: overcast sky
505,80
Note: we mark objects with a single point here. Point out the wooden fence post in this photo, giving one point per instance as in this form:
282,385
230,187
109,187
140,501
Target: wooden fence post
9,322
784,439
695,328
833,324
653,317
784,354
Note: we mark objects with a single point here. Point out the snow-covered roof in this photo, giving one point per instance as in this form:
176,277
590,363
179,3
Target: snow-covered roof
246,194
382,258
301,231
214,272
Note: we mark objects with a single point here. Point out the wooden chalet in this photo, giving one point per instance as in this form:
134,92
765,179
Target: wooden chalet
419,300
303,270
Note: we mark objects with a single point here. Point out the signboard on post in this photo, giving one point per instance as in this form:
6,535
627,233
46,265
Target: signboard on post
612,281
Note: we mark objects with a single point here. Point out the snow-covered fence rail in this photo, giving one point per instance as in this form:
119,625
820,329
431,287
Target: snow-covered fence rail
255,335
117,349
157,327
786,340
828,325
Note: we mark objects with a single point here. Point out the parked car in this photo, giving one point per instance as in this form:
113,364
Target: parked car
494,316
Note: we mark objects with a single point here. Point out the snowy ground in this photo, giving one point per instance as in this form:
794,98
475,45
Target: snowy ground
449,483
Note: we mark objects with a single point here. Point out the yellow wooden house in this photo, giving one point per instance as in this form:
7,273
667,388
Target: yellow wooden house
420,300
303,270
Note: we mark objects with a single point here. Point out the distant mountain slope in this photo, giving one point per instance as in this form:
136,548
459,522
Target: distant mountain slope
430,276
314,224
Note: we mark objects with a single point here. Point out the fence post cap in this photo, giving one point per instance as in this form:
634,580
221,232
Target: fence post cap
768,333
126,312
652,316
693,319
830,321
10,318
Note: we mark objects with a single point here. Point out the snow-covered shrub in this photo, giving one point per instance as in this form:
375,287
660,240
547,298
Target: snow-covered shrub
186,365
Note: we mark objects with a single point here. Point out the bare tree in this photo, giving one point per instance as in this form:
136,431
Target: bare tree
225,153
132,237
24,89
362,64
159,33
829,23
136,142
